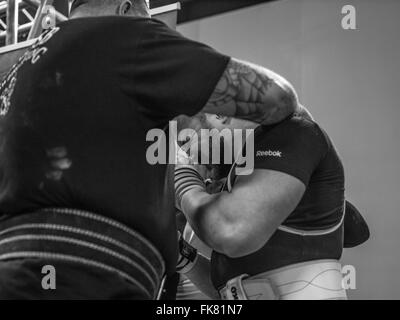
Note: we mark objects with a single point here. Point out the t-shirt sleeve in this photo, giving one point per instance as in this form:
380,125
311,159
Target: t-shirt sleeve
296,146
170,75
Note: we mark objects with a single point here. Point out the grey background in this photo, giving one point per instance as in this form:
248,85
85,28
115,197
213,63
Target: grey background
349,79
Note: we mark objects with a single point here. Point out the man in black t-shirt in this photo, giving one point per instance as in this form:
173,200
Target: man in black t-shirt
277,227
74,115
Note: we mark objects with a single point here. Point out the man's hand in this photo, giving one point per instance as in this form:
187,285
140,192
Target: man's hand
183,159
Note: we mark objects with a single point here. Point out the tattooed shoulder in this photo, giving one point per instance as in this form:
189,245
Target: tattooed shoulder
250,92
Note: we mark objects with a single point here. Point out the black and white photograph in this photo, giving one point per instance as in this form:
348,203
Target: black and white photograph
199,153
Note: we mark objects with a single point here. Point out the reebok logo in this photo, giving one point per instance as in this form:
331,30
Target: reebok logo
269,153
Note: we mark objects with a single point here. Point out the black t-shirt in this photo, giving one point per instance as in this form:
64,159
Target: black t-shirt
300,148
92,88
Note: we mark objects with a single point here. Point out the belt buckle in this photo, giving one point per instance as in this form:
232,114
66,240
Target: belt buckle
245,288
234,289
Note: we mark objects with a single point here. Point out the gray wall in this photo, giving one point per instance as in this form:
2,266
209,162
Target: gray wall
349,79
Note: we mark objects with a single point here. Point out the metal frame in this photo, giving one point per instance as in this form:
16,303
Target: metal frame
12,22
34,26
16,46
31,12
14,9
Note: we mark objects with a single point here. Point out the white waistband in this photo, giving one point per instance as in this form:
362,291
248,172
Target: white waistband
315,232
314,280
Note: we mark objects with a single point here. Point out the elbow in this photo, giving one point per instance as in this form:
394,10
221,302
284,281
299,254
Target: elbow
233,250
223,235
230,234
285,103
288,101
235,241
286,95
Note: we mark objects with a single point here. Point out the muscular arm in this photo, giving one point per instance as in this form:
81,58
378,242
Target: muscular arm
241,222
251,92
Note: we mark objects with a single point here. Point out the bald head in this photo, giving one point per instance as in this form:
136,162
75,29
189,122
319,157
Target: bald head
87,8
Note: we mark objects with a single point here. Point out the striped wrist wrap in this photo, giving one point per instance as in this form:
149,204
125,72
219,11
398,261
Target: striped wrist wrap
186,178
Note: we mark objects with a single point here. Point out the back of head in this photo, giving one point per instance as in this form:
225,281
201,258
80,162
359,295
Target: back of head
92,8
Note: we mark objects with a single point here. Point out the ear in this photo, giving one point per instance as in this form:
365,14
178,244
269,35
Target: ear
223,119
124,8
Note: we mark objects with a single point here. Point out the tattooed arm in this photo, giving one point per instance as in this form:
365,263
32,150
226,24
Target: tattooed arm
251,92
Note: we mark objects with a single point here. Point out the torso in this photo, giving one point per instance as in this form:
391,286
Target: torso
94,89
313,231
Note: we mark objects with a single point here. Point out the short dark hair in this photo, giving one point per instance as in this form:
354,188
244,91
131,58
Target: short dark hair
77,3
98,3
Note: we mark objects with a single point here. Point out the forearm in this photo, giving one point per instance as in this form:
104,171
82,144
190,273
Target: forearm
196,204
199,209
225,224
217,219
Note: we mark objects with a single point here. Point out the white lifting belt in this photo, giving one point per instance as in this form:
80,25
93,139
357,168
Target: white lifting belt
314,280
